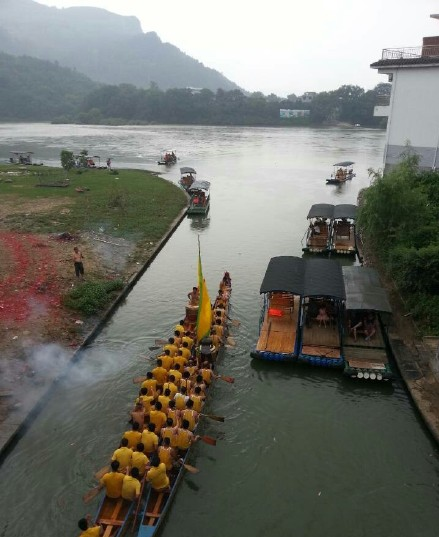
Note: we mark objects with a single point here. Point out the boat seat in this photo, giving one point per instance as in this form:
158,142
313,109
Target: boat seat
111,522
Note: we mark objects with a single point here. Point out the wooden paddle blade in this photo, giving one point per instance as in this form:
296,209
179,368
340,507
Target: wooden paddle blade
230,380
191,469
100,473
138,380
213,417
231,341
88,496
153,348
235,322
161,341
208,440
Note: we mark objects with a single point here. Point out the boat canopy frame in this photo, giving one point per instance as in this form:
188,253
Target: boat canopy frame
199,185
333,212
187,169
364,290
304,277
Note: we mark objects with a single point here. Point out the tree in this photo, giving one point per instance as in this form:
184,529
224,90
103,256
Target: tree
67,159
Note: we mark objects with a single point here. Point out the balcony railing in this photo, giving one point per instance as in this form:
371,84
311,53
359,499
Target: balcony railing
410,53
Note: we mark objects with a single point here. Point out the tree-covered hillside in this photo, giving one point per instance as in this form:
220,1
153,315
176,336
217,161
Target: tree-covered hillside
37,90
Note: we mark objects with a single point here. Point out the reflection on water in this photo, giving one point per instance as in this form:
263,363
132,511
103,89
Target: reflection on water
302,451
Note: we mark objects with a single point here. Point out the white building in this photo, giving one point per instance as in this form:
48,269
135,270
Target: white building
413,110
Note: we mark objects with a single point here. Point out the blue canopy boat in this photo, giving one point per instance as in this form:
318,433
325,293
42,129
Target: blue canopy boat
367,313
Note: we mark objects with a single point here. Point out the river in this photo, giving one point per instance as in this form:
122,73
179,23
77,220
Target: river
303,451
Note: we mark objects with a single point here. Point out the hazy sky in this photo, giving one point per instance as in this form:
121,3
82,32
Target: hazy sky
280,46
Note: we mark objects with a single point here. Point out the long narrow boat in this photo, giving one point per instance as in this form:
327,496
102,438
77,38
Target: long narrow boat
343,239
157,504
113,515
319,229
199,192
320,314
366,357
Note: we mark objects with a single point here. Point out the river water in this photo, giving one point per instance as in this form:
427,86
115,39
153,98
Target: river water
303,451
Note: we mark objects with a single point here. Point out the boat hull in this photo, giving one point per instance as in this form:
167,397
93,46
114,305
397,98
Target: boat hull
273,356
199,209
321,361
113,514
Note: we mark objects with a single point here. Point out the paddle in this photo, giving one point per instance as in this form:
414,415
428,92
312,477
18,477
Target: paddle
234,322
213,417
191,469
231,341
208,440
88,496
230,380
100,473
161,341
138,380
138,504
153,348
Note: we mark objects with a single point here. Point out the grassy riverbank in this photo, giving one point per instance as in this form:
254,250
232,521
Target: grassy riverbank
116,220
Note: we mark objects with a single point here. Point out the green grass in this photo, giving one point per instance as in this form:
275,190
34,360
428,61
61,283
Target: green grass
91,297
133,204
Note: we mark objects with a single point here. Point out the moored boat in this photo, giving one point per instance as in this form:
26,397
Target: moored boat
319,229
199,192
320,314
367,312
343,171
188,176
343,239
113,515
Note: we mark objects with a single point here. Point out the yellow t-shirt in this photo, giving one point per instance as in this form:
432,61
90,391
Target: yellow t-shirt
165,456
168,432
180,401
189,341
176,374
123,456
157,477
179,328
146,401
167,361
164,400
219,330
172,387
190,416
173,414
133,438
150,385
184,438
91,532
172,348
181,360
113,484
207,375
139,460
186,383
158,418
150,441
198,402
185,352
130,487
160,374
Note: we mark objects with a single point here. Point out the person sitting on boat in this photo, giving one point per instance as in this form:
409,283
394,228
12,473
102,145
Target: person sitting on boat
138,415
160,374
190,415
172,346
206,349
355,323
207,373
167,454
316,229
131,485
150,440
322,316
176,370
157,476
139,460
185,351
180,360
185,437
112,481
180,327
177,337
219,328
123,454
194,296
150,383
216,340
164,399
89,529
192,368
369,326
173,413
198,398
180,398
133,436
186,381
199,381
168,432
171,386
227,280
157,417
167,359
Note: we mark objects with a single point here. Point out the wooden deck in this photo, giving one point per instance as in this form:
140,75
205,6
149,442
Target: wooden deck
318,241
343,236
316,335
364,358
278,333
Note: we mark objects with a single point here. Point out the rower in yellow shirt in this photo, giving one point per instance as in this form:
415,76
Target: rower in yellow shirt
150,440
160,374
207,373
123,454
186,382
173,348
176,372
157,476
89,529
180,360
150,383
190,415
187,338
145,399
167,359
167,454
173,413
185,350
177,338
192,368
185,437
171,386
131,485
133,436
198,399
180,327
139,460
157,417
165,399
180,398
169,432
112,481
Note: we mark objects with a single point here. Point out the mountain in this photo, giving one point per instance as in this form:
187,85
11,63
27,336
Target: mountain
38,90
108,48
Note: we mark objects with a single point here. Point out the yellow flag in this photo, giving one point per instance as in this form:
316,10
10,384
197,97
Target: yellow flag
204,317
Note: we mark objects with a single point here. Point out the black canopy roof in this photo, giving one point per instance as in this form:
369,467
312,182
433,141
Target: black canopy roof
327,210
364,290
305,277
344,163
187,169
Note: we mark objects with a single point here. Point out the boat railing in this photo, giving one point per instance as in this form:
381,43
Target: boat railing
408,53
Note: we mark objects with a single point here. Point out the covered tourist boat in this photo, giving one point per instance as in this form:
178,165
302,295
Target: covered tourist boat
281,288
343,171
320,314
343,239
319,229
188,176
199,192
168,157
367,313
